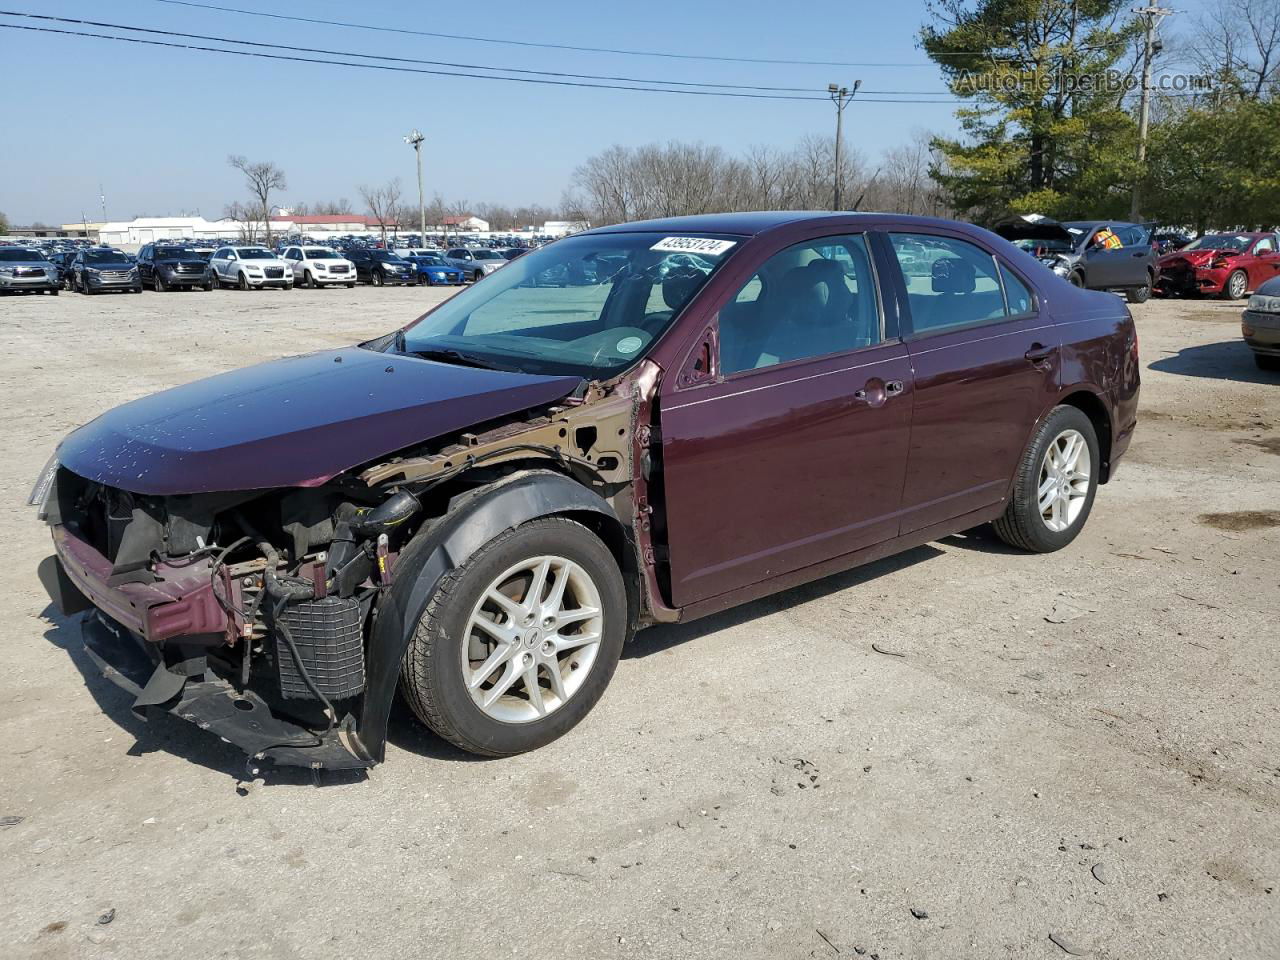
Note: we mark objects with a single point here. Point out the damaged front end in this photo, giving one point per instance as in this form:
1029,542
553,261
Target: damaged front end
274,619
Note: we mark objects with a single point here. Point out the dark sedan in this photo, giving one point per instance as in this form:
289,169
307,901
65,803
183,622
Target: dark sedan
482,508
1260,325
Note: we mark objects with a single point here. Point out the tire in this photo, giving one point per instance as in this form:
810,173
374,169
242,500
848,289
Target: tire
207,286
242,282
1023,524
288,286
1139,294
433,676
478,275
1076,278
375,277
422,279
1236,285
55,291
1265,362
85,288
351,286
157,282
309,280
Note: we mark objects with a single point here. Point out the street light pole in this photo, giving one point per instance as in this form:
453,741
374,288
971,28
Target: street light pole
840,96
1152,15
415,138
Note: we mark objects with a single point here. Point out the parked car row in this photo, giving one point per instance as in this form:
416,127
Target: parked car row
170,266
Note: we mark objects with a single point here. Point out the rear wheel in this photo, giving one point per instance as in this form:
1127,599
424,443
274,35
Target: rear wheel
1235,286
518,644
1054,487
1140,294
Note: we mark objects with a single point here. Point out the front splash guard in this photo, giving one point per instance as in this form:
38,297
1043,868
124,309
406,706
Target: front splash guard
239,717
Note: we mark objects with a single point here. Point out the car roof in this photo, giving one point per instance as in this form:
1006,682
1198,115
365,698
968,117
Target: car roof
756,222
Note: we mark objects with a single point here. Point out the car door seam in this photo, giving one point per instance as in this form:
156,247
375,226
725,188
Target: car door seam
782,383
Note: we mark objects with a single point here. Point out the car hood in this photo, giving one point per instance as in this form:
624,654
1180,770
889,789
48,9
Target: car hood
181,261
110,265
295,422
1032,226
1197,258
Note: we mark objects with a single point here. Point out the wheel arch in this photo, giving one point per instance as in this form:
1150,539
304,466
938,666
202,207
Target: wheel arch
445,543
1092,406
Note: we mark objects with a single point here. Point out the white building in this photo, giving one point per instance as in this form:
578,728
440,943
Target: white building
149,229
562,228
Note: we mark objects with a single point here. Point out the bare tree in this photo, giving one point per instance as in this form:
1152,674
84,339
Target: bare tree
248,220
383,202
262,177
1238,42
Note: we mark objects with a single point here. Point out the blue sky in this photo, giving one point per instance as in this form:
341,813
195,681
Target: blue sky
155,125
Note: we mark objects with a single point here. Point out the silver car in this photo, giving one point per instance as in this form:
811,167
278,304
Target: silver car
23,270
475,263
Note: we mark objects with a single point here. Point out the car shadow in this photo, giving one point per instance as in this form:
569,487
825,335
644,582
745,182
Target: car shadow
165,733
664,636
1227,360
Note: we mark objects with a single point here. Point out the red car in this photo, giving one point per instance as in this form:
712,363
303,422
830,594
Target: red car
482,508
1227,265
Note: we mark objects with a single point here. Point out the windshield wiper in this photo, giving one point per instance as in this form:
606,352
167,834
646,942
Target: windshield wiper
455,356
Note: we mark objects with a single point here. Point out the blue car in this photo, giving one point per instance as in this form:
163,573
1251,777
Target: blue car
430,268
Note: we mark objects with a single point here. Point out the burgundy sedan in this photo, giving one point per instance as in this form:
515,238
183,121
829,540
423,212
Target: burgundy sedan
639,424
1226,265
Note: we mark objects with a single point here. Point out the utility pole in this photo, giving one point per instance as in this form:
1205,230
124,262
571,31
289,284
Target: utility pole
1151,45
102,195
415,139
840,96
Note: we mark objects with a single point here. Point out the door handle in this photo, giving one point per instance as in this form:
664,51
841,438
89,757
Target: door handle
1038,353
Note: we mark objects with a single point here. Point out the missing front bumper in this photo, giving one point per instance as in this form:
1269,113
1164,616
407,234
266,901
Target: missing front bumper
239,717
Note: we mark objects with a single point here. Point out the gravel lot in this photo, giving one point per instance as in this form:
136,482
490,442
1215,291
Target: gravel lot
1084,746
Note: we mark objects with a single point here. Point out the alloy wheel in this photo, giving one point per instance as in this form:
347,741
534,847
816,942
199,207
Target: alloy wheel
1065,476
532,639
1236,285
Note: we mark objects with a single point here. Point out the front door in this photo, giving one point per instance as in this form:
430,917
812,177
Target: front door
794,450
984,365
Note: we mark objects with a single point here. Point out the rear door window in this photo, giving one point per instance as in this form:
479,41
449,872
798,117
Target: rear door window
951,283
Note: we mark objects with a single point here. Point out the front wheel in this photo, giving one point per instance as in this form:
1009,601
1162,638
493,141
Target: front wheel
1235,286
375,277
243,282
518,644
1077,279
1055,483
157,282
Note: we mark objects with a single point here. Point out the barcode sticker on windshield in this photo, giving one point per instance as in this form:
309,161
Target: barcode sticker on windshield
703,245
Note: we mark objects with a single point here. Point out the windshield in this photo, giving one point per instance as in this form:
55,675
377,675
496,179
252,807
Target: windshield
487,255
430,259
174,253
1220,241
320,253
20,255
586,306
103,256
387,257
252,254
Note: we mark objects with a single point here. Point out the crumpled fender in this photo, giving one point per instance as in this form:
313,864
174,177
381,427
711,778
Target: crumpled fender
473,520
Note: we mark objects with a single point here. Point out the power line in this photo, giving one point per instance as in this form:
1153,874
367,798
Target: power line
529,43
441,73
437,63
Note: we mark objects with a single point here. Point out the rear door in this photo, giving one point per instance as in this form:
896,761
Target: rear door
784,439
1264,262
984,364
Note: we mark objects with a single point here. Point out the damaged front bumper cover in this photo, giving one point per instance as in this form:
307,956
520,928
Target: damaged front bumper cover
200,696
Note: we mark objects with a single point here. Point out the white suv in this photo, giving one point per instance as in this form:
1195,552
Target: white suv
319,267
249,268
